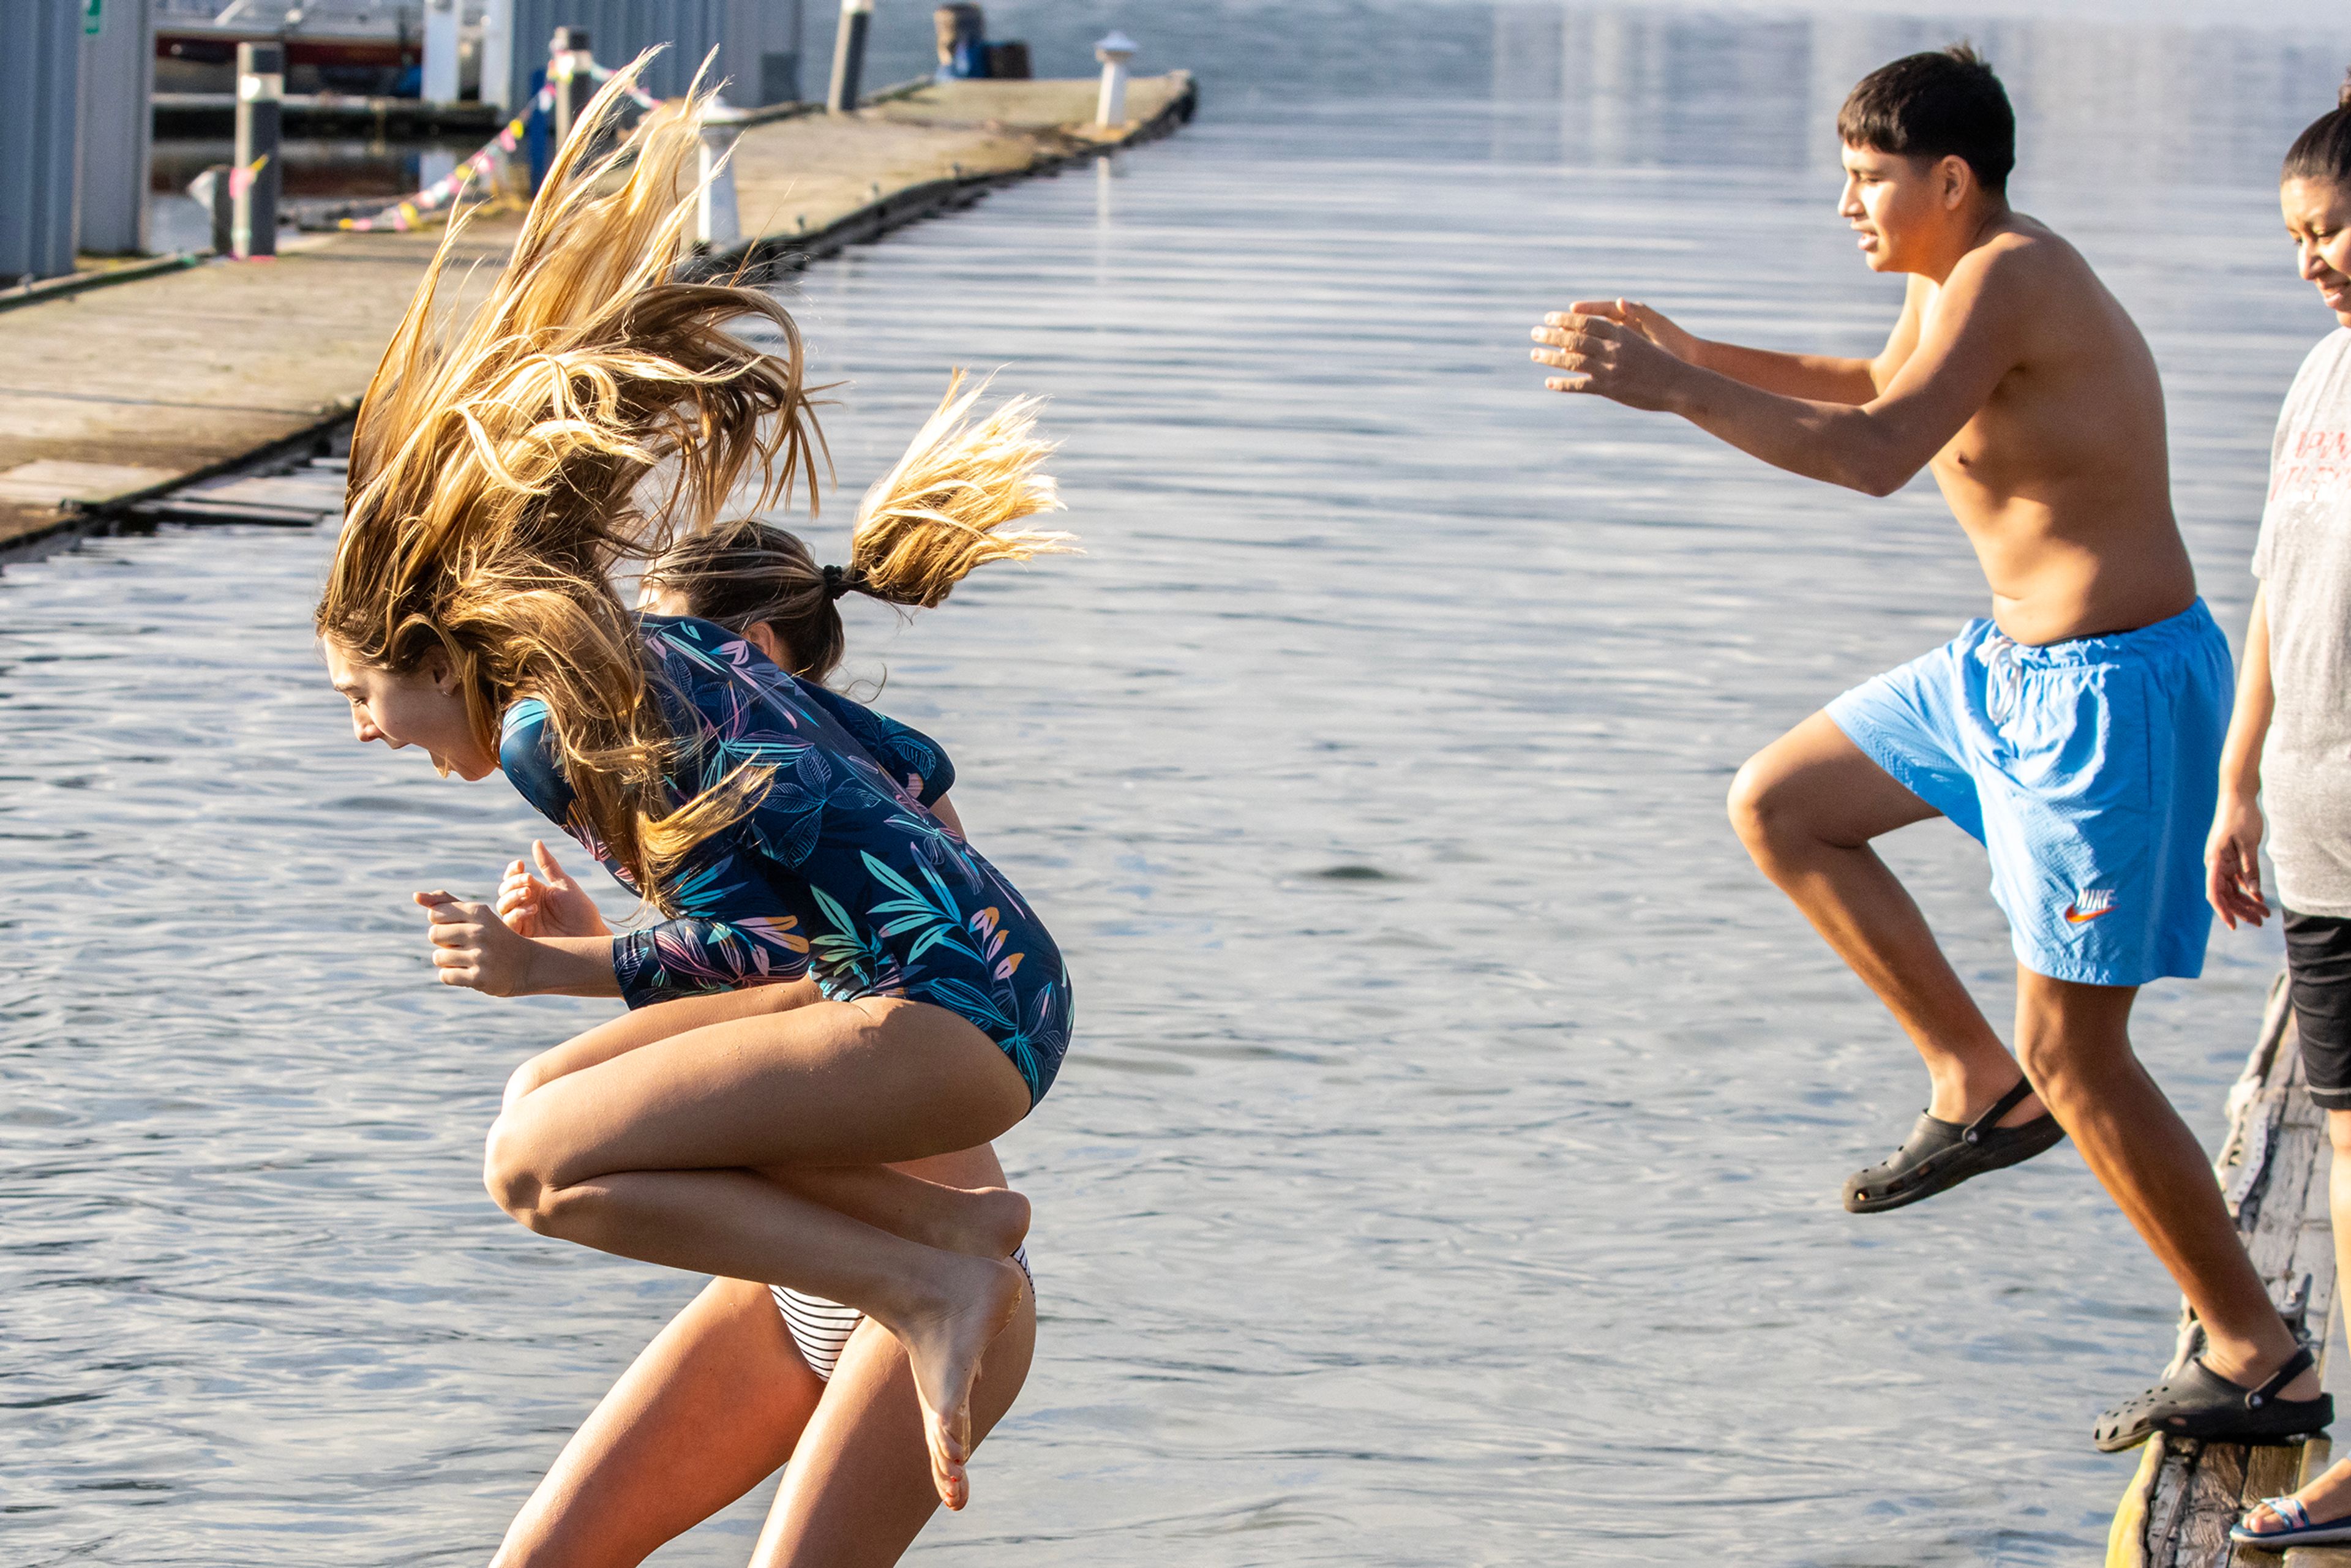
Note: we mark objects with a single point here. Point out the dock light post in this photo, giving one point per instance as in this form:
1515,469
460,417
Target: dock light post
567,60
1114,52
439,51
256,179
849,53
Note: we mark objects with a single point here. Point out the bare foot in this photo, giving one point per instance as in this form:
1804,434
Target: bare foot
1963,1101
944,1339
2252,1370
2328,1499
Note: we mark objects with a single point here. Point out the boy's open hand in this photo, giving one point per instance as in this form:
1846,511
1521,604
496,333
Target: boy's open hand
472,947
1650,323
1618,350
549,904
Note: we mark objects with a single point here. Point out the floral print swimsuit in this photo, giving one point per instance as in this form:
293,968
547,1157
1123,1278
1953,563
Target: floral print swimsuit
839,871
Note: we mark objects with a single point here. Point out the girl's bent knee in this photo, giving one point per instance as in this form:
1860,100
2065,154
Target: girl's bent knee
509,1172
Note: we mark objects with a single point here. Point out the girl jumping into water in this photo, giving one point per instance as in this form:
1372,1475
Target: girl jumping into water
843,986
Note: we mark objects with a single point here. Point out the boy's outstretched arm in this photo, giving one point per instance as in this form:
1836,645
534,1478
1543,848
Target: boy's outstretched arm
1825,377
1974,337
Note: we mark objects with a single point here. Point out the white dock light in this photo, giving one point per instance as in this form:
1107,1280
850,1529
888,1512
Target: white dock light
1114,52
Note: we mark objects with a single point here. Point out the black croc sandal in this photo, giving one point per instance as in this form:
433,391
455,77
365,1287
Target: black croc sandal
1939,1155
2198,1402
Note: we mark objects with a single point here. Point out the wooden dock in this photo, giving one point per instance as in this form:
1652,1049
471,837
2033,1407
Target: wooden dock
114,397
2274,1168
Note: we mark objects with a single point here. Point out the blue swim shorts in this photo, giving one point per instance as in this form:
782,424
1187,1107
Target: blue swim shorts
2088,769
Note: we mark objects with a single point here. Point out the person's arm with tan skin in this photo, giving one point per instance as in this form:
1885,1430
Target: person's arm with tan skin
1819,378
472,947
2232,865
1976,335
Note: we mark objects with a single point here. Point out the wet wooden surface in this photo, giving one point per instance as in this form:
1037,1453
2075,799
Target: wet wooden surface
2274,1167
127,391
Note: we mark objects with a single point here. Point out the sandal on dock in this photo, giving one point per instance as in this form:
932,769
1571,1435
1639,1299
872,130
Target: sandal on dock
1939,1155
2198,1402
2300,1529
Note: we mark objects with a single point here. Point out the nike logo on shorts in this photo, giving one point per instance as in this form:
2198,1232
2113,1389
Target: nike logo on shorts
2088,905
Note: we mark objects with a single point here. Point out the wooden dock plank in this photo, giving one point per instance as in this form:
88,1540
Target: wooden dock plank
2274,1167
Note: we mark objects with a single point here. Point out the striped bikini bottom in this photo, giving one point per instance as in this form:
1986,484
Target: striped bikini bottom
820,1329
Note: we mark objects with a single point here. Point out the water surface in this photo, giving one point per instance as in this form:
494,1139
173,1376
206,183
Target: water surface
1446,1170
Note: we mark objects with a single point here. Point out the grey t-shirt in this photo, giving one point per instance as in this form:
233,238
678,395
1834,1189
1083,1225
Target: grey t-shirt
2304,560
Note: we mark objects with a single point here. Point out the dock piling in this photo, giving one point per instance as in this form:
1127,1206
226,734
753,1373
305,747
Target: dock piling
257,179
568,62
849,55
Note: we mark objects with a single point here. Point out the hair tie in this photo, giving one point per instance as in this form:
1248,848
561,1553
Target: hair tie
838,580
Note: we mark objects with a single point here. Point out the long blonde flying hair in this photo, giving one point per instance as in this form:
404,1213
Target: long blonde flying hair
593,409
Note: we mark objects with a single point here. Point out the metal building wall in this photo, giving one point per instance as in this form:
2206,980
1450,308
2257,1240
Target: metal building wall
117,85
764,56
40,72
617,30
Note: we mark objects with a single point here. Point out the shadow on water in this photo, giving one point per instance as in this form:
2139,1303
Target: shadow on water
1446,1168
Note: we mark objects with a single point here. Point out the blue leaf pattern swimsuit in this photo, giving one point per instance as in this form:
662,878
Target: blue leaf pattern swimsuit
839,871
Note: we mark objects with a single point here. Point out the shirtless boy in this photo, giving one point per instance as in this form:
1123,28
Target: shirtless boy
2077,732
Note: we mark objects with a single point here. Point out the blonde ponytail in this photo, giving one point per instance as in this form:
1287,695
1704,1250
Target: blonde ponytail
943,511
947,506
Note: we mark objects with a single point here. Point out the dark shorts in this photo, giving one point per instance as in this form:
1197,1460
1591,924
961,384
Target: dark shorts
2318,975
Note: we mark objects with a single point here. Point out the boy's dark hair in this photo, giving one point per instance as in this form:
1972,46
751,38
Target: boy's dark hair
1942,104
2323,151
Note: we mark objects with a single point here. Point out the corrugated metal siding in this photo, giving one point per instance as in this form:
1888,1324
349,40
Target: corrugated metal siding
40,72
617,30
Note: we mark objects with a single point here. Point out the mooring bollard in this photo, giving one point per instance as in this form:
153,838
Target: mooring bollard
717,223
567,60
256,180
212,188
1114,52
849,55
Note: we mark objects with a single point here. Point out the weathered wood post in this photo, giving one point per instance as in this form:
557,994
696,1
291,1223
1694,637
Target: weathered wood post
849,55
567,60
257,179
1114,52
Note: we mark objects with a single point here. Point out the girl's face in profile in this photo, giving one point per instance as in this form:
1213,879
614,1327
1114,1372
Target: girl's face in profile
420,708
2318,216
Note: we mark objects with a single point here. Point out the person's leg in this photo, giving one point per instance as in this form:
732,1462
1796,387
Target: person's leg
985,1221
654,1155
981,1218
2074,1042
709,1409
1807,806
643,1026
853,1497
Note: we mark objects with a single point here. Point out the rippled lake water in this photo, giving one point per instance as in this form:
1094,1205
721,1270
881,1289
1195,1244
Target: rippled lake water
1446,1170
